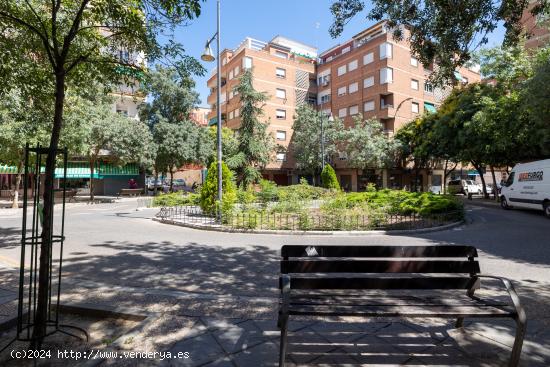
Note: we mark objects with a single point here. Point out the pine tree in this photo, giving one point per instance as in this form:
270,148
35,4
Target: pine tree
255,143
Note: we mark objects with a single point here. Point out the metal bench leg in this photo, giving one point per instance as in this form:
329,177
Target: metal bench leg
283,321
518,342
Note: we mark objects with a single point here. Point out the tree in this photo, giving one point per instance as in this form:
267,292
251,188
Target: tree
534,97
177,146
178,141
230,146
21,123
367,146
92,129
306,138
75,42
444,31
209,192
255,143
329,179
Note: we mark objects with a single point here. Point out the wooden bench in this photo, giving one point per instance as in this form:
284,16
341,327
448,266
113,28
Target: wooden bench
389,281
130,192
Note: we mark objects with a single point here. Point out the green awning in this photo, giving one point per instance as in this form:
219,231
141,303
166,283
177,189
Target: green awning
458,76
428,107
107,169
213,121
5,169
77,170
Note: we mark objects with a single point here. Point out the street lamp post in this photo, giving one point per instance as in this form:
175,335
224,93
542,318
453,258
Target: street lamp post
207,56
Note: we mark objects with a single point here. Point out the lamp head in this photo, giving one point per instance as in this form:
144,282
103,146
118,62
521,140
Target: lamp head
207,55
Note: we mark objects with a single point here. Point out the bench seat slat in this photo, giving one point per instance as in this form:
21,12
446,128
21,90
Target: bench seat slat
385,301
400,311
378,266
378,251
382,283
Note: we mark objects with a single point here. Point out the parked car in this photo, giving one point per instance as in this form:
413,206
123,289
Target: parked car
463,187
150,183
528,186
179,184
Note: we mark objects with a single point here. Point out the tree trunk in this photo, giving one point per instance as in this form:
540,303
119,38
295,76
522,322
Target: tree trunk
39,330
171,179
92,166
446,174
480,171
15,203
155,183
495,193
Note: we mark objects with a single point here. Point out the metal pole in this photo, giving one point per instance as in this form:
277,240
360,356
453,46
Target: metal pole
219,132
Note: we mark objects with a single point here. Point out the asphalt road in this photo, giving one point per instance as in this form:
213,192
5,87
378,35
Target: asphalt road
115,244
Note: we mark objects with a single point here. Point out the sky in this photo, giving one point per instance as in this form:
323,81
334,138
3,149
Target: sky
306,21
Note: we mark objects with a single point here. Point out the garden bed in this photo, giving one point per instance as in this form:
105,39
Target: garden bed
306,208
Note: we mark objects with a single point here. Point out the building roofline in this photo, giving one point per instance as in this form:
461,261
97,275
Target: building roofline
293,40
353,38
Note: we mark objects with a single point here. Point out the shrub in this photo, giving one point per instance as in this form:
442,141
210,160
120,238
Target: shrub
268,192
209,191
328,178
302,191
176,199
246,196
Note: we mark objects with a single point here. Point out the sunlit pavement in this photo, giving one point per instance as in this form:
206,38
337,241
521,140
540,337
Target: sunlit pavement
215,294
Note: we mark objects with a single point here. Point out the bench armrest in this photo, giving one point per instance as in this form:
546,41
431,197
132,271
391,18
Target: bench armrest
511,292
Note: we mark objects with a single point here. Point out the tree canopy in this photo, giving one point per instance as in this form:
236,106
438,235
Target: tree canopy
255,143
446,32
306,138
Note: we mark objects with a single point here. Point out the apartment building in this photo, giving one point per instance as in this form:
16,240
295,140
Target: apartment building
372,74
285,70
537,27
376,76
200,115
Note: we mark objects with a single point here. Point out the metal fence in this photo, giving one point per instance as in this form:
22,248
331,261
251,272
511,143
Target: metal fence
309,221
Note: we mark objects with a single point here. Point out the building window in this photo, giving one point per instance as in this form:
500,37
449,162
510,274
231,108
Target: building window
231,75
414,84
354,110
353,87
282,55
368,58
324,98
414,61
464,80
323,80
342,112
369,82
281,135
342,70
346,49
428,88
247,62
386,75
280,114
237,112
352,65
415,107
224,61
122,111
385,51
280,93
281,156
369,106
329,59
231,115
342,91
236,71
280,73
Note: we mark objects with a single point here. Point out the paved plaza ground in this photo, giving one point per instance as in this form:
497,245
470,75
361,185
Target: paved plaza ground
214,294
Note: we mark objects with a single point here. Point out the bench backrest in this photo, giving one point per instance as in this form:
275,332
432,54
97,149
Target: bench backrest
365,267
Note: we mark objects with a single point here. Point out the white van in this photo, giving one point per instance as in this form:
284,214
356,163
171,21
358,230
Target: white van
528,186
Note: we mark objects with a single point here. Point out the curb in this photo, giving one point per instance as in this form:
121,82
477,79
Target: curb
312,233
